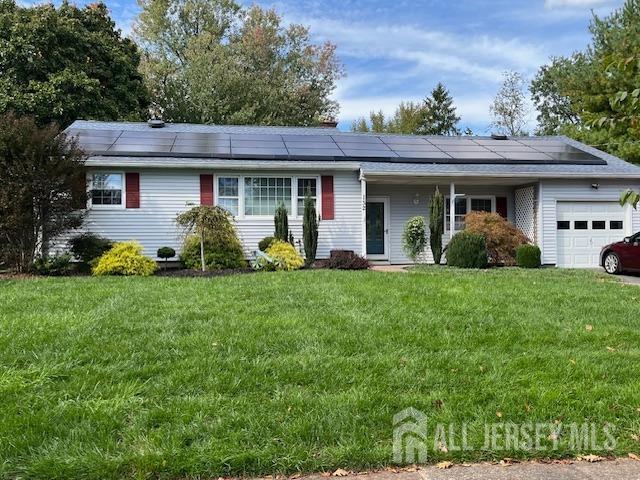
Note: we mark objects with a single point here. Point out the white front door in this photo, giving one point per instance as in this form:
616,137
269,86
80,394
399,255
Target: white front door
583,228
377,224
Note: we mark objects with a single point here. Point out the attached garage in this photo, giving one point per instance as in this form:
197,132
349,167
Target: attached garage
583,228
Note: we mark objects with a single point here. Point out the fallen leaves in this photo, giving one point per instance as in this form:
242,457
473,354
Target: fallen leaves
635,437
340,473
442,447
591,458
499,414
635,457
588,328
611,349
444,465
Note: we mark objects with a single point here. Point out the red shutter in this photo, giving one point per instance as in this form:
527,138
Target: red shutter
501,206
206,189
132,184
327,197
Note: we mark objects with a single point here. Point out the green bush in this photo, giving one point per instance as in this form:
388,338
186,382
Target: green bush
467,250
53,265
219,253
414,237
528,256
265,243
166,253
285,256
125,258
87,248
346,260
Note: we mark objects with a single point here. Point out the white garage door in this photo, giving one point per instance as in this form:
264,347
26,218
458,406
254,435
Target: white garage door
584,228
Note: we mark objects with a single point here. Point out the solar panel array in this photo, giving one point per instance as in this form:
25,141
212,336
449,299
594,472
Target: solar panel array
333,147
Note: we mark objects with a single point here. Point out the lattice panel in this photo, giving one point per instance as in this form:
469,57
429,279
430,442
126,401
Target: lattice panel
525,211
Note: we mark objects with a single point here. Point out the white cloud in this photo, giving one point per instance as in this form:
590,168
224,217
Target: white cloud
574,3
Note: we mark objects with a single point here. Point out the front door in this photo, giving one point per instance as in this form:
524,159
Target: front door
377,228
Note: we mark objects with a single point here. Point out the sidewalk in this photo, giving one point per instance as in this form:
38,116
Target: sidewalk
623,468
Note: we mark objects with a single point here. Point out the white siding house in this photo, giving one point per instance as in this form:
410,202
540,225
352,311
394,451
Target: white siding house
561,193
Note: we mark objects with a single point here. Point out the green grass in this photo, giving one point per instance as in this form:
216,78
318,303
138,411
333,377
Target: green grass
302,371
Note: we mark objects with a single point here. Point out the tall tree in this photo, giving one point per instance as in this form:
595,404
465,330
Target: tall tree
509,109
210,61
405,120
549,94
60,64
599,87
439,114
42,178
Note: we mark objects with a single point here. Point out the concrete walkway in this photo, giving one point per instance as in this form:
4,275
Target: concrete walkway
391,268
630,279
623,468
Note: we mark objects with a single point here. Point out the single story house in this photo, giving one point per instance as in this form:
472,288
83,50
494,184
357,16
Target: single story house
562,194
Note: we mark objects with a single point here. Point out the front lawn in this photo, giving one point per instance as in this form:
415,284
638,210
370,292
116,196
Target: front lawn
303,371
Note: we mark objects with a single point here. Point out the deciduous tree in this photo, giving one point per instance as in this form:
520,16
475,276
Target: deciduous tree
509,109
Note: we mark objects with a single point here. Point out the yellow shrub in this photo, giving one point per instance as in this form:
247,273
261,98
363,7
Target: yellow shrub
125,259
285,255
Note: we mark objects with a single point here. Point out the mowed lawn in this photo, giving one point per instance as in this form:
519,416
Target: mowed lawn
302,371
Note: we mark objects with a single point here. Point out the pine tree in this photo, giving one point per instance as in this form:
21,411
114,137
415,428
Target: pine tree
281,221
310,230
436,225
440,117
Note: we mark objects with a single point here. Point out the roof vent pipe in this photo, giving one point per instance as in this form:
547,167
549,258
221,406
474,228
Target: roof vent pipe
329,123
156,123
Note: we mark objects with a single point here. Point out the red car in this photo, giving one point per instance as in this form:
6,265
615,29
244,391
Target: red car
622,256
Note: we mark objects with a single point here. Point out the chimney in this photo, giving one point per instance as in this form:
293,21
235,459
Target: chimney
329,123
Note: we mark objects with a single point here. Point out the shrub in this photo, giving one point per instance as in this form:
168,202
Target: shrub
346,260
281,222
436,225
166,253
125,258
53,265
285,256
528,256
310,230
219,253
414,237
502,237
216,236
88,247
467,250
265,243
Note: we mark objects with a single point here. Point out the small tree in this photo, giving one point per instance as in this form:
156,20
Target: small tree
42,195
310,230
206,222
436,225
281,221
414,237
509,107
166,253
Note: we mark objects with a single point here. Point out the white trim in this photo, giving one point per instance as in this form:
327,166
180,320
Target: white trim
468,199
123,192
387,229
363,207
293,212
533,176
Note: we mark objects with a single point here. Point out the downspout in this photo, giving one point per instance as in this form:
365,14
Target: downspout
363,220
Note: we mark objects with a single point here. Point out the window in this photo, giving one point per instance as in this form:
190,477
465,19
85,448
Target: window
480,204
615,225
228,194
598,225
262,195
465,205
461,211
306,185
564,225
581,225
106,189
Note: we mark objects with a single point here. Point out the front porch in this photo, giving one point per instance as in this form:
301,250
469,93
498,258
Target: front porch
388,202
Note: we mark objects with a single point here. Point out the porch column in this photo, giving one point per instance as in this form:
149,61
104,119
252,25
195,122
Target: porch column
363,193
452,209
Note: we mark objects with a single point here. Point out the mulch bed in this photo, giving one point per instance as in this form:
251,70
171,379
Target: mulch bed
183,272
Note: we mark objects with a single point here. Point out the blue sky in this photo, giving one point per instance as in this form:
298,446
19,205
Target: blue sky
398,50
